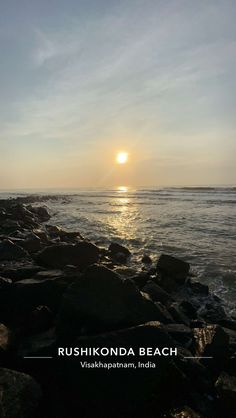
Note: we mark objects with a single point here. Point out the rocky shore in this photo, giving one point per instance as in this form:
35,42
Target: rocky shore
57,289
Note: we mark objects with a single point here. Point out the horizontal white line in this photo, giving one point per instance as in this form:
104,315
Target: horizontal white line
198,357
38,357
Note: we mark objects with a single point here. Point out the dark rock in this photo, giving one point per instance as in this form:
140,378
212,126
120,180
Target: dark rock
41,344
226,389
163,314
115,249
173,267
10,251
180,333
213,312
5,337
140,279
188,309
39,320
212,341
32,243
100,300
137,385
18,271
146,259
198,288
185,412
56,231
157,293
41,212
178,314
60,255
19,299
20,395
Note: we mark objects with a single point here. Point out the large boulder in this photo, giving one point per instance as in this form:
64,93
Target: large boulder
10,251
100,300
81,254
173,267
20,395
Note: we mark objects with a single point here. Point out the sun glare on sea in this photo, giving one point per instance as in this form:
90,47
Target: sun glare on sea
122,189
122,157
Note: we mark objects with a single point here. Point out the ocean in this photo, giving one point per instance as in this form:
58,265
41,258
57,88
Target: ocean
196,224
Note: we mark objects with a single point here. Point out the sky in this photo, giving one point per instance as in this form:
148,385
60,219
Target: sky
81,80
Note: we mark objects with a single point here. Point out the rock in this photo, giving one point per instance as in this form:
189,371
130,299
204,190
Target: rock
185,412
115,249
41,344
180,333
32,243
178,314
20,395
146,259
101,300
140,279
188,309
212,341
39,320
56,231
198,288
17,271
4,338
41,234
173,267
41,212
142,384
226,389
10,251
81,254
19,299
157,293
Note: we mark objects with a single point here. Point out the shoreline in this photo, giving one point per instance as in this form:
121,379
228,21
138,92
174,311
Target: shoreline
58,289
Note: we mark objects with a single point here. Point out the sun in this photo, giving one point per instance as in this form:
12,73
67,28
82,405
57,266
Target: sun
122,157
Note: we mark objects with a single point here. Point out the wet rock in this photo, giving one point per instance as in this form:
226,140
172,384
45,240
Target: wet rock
198,288
173,267
56,231
81,254
185,412
226,389
116,250
41,234
20,395
10,251
212,341
41,212
146,259
213,311
157,293
100,300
